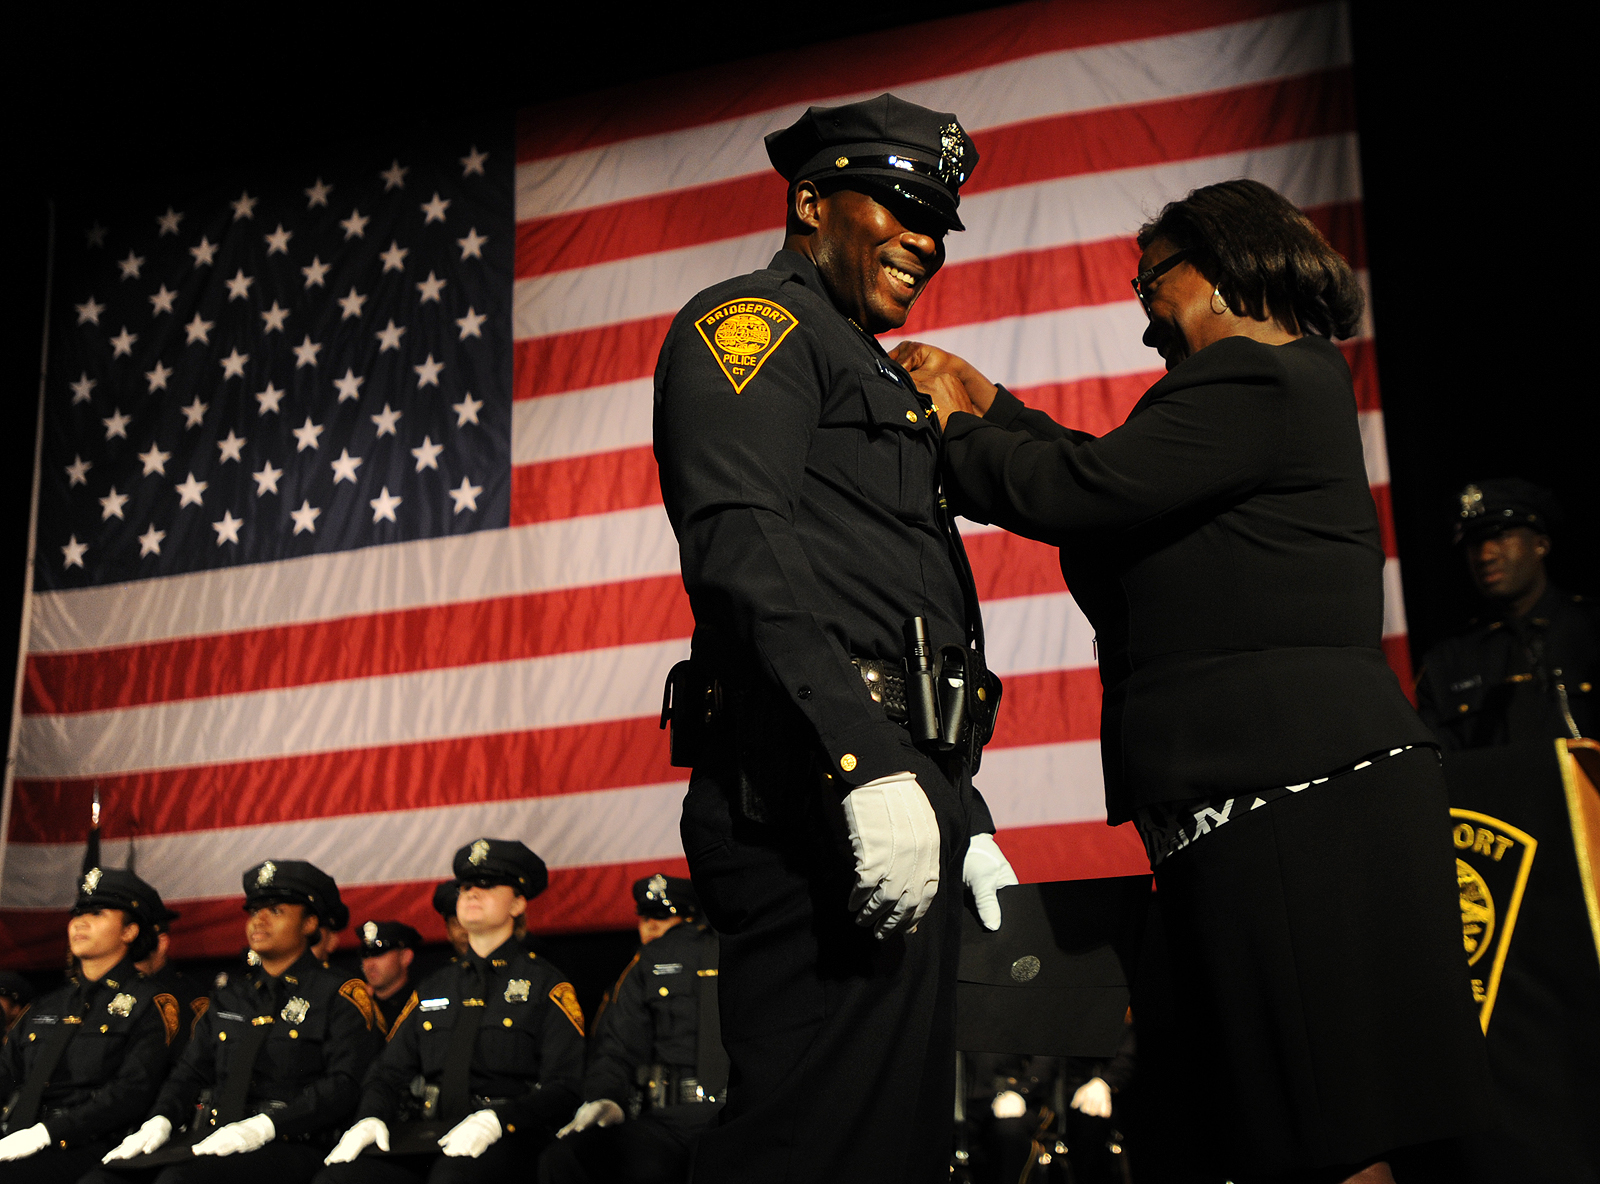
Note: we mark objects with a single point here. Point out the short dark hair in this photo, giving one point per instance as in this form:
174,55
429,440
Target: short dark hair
1264,256
144,945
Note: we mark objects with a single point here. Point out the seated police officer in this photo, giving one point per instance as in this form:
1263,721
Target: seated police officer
1526,670
87,1059
16,993
496,1036
444,903
656,1070
282,1050
387,951
192,1001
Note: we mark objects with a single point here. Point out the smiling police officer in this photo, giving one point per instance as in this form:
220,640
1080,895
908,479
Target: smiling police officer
799,470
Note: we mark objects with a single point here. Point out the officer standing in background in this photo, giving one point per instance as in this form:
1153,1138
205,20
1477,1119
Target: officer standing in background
282,1048
496,1036
657,1070
1526,670
388,949
799,468
87,1059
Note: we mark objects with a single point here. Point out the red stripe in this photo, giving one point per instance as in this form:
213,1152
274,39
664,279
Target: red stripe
577,485
582,899
1069,145
1361,356
811,73
1053,707
1022,284
1073,851
1385,504
435,637
1005,564
506,767
1397,648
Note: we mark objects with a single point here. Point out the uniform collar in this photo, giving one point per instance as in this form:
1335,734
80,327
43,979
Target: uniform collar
299,971
498,958
116,979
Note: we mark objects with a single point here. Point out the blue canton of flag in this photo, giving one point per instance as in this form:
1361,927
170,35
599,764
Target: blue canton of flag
282,367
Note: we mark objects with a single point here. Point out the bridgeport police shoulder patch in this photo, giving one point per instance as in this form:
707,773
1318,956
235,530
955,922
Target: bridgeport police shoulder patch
743,334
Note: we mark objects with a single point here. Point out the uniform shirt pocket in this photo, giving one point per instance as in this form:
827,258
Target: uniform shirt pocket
896,456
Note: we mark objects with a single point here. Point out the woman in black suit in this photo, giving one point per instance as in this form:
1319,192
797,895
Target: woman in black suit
1224,544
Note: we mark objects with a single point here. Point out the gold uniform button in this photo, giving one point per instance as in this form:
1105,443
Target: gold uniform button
105,1028
222,1035
847,761
911,416
294,1033
981,694
427,1025
1463,707
32,1036
506,1021
511,1128
662,992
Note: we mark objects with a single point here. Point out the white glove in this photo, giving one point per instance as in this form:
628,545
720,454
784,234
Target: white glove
25,1142
602,1112
248,1134
895,837
472,1135
358,1138
1093,1098
1008,1103
143,1141
985,871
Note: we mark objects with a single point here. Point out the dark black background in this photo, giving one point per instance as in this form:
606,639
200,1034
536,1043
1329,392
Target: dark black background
1480,242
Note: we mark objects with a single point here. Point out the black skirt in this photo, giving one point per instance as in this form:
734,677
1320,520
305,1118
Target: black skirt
1304,1001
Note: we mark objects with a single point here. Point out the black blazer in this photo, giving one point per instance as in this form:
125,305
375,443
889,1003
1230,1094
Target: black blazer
1224,544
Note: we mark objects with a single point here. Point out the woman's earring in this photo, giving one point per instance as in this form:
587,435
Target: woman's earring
1218,304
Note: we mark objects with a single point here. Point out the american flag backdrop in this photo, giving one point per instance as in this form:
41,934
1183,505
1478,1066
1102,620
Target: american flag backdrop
350,545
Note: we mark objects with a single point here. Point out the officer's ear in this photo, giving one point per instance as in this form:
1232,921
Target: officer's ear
519,904
1541,545
309,924
805,212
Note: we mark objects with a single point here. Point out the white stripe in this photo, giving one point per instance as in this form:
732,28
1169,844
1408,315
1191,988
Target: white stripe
579,423
1394,600
569,553
1036,87
568,830
619,682
1374,448
1041,784
1058,212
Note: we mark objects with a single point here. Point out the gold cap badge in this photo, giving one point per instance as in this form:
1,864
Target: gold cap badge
264,876
91,880
369,931
480,852
1471,502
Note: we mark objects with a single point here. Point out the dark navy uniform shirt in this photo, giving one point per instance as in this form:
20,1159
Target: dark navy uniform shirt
111,1068
528,1055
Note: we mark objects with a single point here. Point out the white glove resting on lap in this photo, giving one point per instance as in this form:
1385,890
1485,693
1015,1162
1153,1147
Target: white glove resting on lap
1093,1098
895,837
154,1133
600,1112
249,1134
23,1143
358,1138
472,1135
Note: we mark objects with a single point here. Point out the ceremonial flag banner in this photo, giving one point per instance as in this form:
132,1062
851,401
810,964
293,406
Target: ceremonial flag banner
350,545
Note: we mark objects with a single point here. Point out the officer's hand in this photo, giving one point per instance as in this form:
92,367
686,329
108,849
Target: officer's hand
24,1142
472,1135
986,871
602,1112
925,362
1093,1098
143,1141
1008,1103
895,837
358,1138
250,1134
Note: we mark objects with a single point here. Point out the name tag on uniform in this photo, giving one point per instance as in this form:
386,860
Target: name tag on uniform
667,968
433,1004
45,1019
230,1015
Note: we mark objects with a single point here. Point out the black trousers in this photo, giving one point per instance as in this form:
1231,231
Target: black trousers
511,1157
55,1165
841,1047
276,1163
651,1149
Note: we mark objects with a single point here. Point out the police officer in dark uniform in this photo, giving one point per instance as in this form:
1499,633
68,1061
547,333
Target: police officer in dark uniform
16,993
388,949
496,1036
1526,670
444,903
282,1050
657,1069
86,1061
192,1001
828,819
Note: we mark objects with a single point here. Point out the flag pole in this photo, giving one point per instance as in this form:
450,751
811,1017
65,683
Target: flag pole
33,547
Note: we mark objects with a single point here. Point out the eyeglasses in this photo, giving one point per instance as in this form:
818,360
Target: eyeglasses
1144,278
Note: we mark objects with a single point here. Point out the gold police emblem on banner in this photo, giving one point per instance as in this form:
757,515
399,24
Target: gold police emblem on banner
517,990
264,876
294,1011
91,880
479,852
1493,859
122,1005
742,335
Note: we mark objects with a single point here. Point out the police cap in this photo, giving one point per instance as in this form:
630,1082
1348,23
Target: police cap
115,888
294,881
662,896
382,937
881,144
1488,508
14,987
501,861
444,899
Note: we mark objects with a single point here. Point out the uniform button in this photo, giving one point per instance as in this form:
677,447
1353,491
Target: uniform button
662,991
1463,707
427,1025
32,1036
105,1028
506,1021
805,692
981,694
511,1128
911,416
294,1033
222,1035
847,761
